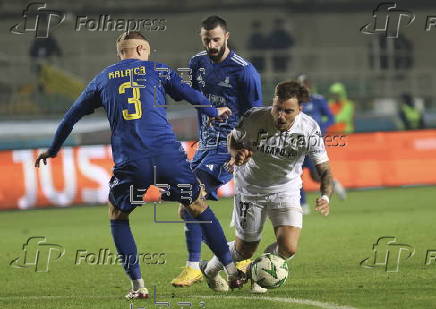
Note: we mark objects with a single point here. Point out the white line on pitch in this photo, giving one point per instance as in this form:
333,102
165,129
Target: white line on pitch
290,300
284,300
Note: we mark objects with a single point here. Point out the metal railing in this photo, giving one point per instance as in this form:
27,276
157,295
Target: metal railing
19,81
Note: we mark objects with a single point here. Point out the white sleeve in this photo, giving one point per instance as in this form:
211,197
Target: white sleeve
316,149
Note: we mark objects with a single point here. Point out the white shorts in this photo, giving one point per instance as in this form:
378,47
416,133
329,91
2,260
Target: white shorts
250,213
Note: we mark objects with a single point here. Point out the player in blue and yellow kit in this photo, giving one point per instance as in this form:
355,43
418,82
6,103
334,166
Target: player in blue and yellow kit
226,79
318,108
145,150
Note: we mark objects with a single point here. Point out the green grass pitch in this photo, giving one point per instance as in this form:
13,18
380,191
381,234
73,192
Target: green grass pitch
325,273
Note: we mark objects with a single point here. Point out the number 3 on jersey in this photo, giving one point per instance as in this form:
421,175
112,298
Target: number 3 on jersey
133,100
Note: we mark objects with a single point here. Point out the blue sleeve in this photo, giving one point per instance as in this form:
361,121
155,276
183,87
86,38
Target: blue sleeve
251,89
85,104
178,90
327,113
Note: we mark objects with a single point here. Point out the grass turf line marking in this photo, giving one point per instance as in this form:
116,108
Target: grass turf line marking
273,299
289,300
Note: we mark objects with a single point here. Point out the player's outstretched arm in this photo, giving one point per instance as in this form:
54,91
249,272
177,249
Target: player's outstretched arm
43,156
85,104
326,188
179,90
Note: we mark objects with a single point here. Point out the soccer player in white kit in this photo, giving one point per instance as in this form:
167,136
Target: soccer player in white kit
268,149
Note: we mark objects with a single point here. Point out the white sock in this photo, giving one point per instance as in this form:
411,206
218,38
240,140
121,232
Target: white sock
214,265
194,265
274,249
235,254
137,284
231,269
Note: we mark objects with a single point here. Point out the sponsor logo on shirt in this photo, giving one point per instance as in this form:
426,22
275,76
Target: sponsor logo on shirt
225,83
286,145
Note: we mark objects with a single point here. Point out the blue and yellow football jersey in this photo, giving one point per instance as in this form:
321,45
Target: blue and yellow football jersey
133,94
233,83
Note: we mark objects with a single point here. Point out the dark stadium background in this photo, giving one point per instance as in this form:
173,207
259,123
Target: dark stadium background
382,152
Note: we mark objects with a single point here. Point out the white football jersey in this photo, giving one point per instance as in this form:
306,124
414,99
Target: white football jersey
276,164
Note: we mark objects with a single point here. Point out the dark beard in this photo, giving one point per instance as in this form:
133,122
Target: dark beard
220,53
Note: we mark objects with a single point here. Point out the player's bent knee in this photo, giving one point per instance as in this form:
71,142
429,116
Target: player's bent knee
288,250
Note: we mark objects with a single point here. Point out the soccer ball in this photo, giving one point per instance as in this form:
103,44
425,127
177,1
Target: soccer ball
269,271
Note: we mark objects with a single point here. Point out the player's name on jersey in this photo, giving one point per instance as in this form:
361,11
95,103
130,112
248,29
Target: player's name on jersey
123,73
286,145
276,151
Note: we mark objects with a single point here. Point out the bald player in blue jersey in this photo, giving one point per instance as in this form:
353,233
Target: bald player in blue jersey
318,108
145,150
226,79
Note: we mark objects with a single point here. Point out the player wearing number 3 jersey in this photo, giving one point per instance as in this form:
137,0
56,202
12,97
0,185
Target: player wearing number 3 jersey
145,149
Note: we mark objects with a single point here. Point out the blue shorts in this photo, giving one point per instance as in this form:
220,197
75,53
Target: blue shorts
170,172
208,166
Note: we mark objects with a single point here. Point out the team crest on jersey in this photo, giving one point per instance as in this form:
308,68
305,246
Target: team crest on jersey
225,83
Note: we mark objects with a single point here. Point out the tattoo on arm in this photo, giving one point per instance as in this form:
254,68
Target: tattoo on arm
326,178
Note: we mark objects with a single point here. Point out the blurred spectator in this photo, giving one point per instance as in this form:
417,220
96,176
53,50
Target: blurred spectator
257,43
280,41
342,108
391,53
403,53
378,53
42,49
411,117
